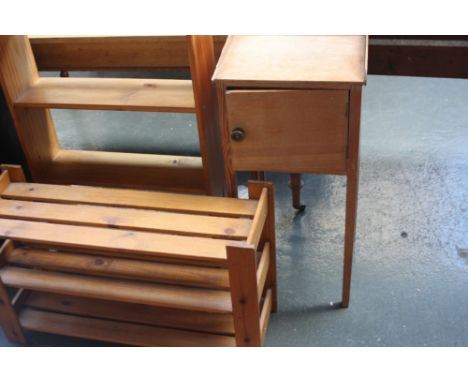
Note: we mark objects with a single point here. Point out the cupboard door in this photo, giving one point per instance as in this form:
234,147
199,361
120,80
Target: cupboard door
288,130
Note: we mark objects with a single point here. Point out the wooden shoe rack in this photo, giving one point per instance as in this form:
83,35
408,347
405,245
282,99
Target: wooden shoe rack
136,267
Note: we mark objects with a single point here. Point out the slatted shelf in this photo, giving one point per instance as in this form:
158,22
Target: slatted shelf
205,300
125,218
133,313
127,243
183,274
126,94
130,198
114,331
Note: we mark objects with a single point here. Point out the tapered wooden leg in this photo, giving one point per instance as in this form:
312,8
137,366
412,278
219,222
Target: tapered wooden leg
243,282
351,191
296,183
8,316
350,229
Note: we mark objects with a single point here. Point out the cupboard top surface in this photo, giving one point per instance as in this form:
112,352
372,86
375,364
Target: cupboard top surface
329,59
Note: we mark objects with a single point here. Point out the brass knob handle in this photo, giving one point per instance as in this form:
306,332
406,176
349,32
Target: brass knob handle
237,134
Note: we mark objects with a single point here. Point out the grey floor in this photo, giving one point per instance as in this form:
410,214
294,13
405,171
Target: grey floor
410,275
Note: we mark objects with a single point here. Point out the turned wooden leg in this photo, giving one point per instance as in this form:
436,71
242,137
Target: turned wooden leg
351,191
296,183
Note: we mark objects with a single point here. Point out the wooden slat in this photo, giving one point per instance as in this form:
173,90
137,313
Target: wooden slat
265,315
258,222
122,242
109,52
262,269
127,218
113,52
114,267
128,170
134,313
130,94
204,300
119,332
131,198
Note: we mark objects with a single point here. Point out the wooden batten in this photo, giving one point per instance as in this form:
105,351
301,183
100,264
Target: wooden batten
125,218
130,198
125,94
217,323
119,268
204,300
119,242
262,269
147,53
114,331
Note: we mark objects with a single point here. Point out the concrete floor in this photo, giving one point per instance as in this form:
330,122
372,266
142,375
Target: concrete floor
410,276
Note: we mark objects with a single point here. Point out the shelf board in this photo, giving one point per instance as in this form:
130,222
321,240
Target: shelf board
102,288
115,197
133,170
132,313
124,94
115,331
